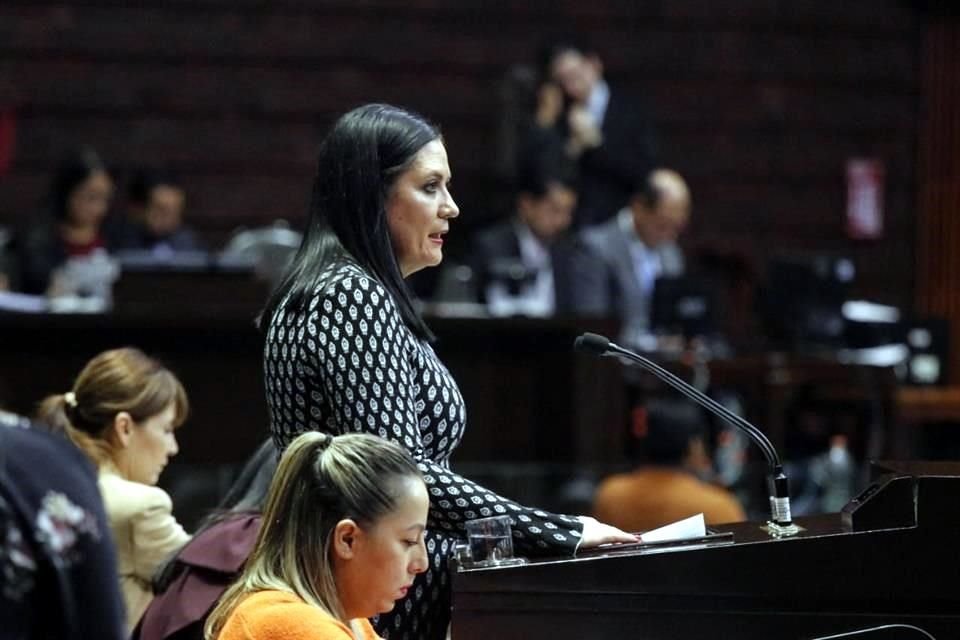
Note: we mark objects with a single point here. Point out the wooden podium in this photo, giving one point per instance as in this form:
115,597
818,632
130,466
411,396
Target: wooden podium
890,558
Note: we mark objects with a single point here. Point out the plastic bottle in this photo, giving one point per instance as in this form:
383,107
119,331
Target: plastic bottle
838,477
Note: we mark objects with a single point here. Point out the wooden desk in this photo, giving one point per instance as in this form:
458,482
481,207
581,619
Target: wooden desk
218,359
888,559
776,388
917,405
530,397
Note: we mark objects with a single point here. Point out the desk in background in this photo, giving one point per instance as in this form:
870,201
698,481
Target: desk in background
530,397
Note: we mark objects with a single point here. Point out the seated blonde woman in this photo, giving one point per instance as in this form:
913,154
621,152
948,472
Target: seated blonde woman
122,412
341,540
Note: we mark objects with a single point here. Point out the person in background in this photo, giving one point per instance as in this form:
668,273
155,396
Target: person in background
342,540
606,131
155,205
523,265
189,584
122,412
57,564
346,350
622,258
667,485
72,229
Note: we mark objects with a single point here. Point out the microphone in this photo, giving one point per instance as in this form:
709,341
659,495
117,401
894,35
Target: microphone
778,486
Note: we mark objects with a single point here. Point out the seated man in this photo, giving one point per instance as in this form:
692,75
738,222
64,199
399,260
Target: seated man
523,264
621,259
666,487
155,215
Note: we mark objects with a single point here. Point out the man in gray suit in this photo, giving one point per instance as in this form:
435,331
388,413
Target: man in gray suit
621,258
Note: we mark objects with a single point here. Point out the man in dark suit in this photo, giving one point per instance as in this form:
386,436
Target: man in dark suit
523,264
154,223
607,132
621,259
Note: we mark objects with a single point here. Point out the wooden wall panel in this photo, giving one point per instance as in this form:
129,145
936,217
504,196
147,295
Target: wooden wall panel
938,230
758,102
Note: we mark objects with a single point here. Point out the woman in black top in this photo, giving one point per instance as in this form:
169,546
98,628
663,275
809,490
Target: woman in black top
74,226
347,351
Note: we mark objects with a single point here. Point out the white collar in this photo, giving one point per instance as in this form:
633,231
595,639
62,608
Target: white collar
627,225
533,251
598,101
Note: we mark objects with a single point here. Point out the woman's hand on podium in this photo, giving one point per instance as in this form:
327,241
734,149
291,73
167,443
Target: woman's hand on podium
596,533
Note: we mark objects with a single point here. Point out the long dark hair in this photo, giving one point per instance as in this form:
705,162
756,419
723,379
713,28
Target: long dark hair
357,164
78,165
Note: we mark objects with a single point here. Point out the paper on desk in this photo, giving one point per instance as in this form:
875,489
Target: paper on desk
692,527
22,302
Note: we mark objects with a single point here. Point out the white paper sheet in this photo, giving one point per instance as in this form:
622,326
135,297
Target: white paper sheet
692,527
22,302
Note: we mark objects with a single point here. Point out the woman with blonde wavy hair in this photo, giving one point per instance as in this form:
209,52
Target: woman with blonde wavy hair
122,411
342,539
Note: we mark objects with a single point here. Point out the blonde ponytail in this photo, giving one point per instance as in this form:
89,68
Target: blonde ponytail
320,480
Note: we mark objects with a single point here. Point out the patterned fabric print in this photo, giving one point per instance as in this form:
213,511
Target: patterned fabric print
58,527
18,567
12,420
346,362
60,523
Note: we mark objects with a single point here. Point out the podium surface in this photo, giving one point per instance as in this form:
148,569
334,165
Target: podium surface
890,558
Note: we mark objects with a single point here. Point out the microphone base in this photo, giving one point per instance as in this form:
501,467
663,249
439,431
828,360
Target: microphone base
775,530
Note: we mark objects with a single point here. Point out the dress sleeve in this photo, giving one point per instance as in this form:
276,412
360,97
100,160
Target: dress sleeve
372,371
156,533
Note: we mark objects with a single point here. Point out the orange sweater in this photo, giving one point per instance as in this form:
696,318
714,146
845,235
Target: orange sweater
276,615
652,497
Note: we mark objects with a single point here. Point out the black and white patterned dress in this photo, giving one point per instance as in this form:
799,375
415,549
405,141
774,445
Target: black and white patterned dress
346,362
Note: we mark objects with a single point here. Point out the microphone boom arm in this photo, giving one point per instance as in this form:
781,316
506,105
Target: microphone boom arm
777,483
773,458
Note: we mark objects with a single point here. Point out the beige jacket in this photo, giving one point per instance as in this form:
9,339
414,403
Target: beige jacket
145,533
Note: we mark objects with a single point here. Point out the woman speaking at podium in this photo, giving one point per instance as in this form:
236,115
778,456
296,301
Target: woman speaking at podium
346,350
